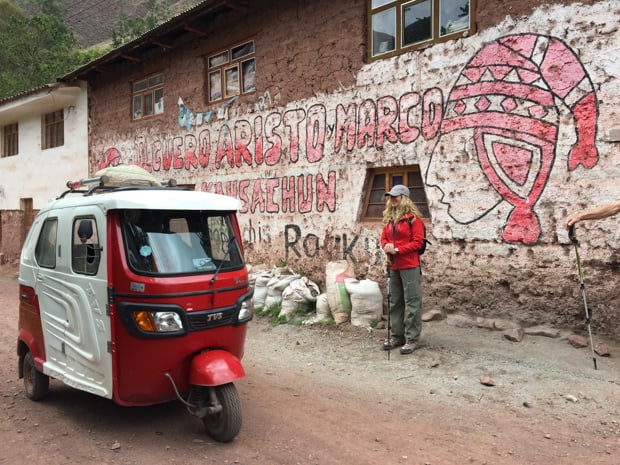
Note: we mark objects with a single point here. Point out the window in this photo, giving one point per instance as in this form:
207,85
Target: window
382,180
231,72
85,250
45,250
148,97
53,130
398,26
10,140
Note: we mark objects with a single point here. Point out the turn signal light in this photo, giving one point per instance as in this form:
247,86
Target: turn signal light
158,322
144,321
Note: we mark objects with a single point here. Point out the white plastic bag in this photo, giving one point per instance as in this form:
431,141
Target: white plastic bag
276,285
323,312
260,288
298,297
366,301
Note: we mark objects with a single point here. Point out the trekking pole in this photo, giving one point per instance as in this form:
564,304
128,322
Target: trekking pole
573,238
388,308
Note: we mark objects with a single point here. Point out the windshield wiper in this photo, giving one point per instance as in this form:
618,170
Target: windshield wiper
219,267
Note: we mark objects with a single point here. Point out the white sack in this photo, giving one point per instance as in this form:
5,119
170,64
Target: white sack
366,301
298,297
277,284
260,288
323,312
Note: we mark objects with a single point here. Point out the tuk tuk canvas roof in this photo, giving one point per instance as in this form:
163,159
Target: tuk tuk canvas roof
154,199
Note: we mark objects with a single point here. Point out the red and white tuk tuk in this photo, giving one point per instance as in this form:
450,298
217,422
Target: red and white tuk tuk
139,294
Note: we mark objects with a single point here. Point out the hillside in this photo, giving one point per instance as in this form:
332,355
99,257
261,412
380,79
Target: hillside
92,21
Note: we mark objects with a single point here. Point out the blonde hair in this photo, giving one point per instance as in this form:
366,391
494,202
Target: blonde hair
405,206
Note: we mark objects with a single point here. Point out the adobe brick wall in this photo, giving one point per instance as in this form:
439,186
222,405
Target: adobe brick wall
489,13
11,236
483,261
298,59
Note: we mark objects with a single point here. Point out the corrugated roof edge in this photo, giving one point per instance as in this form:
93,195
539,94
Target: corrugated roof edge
34,90
172,24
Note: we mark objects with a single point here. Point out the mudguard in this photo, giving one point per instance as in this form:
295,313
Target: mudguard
26,342
214,368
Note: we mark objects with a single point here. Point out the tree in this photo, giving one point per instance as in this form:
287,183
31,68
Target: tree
130,29
36,50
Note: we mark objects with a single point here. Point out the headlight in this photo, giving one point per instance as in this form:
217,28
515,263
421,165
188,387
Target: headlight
247,310
158,322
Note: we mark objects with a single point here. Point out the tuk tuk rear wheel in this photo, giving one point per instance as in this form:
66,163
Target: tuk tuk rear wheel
226,424
36,383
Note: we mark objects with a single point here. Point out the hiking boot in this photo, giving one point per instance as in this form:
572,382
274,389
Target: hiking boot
408,348
392,343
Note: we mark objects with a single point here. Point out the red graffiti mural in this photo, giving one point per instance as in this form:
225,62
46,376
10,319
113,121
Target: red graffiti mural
289,194
112,157
298,135
497,139
286,138
504,104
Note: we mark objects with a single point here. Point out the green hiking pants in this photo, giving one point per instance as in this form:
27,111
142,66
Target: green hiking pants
405,304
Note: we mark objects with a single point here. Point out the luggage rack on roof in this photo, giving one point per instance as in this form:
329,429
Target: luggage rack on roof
103,184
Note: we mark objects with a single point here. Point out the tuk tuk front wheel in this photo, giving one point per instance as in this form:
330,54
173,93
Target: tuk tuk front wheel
225,423
36,383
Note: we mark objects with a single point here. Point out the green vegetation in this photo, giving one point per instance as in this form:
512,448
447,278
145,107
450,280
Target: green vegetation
39,49
297,317
272,313
132,28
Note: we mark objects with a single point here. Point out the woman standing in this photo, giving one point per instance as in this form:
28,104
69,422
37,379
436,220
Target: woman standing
401,239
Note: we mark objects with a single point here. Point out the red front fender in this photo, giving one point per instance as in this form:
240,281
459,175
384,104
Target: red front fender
214,368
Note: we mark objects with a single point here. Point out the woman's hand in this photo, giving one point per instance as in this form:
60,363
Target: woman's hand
389,249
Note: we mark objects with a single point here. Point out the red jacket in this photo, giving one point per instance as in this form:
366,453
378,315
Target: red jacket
407,236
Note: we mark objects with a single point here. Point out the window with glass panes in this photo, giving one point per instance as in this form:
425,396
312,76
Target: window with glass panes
148,97
10,140
53,129
398,26
231,72
382,180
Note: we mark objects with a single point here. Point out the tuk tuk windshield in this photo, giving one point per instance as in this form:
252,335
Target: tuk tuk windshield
180,242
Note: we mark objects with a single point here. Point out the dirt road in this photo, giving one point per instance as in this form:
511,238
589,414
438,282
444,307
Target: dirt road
331,396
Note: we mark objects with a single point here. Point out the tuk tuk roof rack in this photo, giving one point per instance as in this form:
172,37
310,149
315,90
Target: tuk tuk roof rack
101,184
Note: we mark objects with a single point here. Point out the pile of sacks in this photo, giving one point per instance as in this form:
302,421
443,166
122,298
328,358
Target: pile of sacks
345,299
294,293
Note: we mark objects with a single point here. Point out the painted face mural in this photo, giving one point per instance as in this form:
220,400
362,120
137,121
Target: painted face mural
503,115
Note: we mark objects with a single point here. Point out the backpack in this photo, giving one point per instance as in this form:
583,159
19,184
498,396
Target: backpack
425,241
